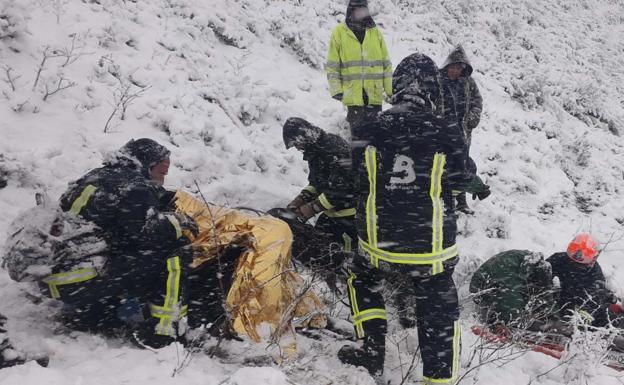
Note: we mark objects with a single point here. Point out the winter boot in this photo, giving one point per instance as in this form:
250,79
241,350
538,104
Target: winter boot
462,204
371,355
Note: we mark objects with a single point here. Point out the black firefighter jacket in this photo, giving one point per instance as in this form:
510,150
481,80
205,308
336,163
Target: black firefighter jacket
123,203
408,163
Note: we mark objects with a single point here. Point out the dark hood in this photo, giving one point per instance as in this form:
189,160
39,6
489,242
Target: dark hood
458,56
300,130
415,81
355,25
140,154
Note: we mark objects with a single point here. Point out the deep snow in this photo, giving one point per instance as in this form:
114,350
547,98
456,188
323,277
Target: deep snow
220,76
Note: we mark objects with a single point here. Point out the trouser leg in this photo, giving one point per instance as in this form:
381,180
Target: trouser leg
369,318
208,288
439,332
357,115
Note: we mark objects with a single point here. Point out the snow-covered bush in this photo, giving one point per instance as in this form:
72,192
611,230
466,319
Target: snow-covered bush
13,18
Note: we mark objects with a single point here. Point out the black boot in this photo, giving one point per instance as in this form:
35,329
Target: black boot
462,204
371,355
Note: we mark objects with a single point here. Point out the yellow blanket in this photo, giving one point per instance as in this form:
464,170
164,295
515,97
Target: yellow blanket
265,289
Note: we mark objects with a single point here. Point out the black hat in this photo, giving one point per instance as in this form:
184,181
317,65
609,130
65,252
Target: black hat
416,77
299,130
146,151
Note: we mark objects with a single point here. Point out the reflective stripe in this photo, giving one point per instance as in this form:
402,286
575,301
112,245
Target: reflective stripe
359,329
454,365
74,276
332,64
82,200
340,213
409,258
349,78
435,192
369,314
348,242
371,208
171,311
325,202
160,311
438,254
365,63
176,225
311,189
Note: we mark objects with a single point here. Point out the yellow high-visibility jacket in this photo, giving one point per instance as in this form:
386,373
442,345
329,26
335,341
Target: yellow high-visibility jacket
353,67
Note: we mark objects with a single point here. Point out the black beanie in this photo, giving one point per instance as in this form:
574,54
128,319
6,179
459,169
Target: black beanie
146,151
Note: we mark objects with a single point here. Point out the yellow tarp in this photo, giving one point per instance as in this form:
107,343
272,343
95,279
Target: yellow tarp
265,289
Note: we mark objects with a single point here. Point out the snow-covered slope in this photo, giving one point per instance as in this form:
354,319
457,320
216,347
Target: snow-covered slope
214,80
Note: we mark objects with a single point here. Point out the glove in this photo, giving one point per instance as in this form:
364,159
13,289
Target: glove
187,223
308,210
478,189
304,197
338,97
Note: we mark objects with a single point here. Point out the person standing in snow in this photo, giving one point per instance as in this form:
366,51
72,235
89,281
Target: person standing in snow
329,158
407,164
461,98
582,285
147,254
358,66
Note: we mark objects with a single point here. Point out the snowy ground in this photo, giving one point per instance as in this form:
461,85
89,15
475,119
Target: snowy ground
214,80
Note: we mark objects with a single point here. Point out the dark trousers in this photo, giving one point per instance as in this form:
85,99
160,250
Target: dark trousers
437,314
150,279
357,115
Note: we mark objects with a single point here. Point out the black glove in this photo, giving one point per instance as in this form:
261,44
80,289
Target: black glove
483,194
187,223
338,97
304,197
478,189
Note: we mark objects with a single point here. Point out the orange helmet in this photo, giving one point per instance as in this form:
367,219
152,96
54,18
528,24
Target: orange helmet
583,249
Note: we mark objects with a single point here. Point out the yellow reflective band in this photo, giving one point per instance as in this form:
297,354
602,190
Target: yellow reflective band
175,224
364,63
368,315
74,276
435,192
340,213
360,76
409,258
174,314
324,202
437,268
311,189
359,329
371,208
82,200
348,242
172,304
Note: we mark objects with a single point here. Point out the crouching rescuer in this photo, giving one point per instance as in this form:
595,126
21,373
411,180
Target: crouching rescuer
144,256
408,163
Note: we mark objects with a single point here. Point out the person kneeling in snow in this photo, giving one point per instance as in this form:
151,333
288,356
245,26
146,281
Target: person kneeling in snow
513,288
108,246
328,156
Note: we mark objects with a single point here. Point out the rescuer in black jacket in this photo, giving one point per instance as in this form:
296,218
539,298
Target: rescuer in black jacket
147,253
408,163
330,175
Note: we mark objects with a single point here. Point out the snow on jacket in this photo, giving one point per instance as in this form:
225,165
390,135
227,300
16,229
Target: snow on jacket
329,162
354,69
462,95
513,286
120,199
582,287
